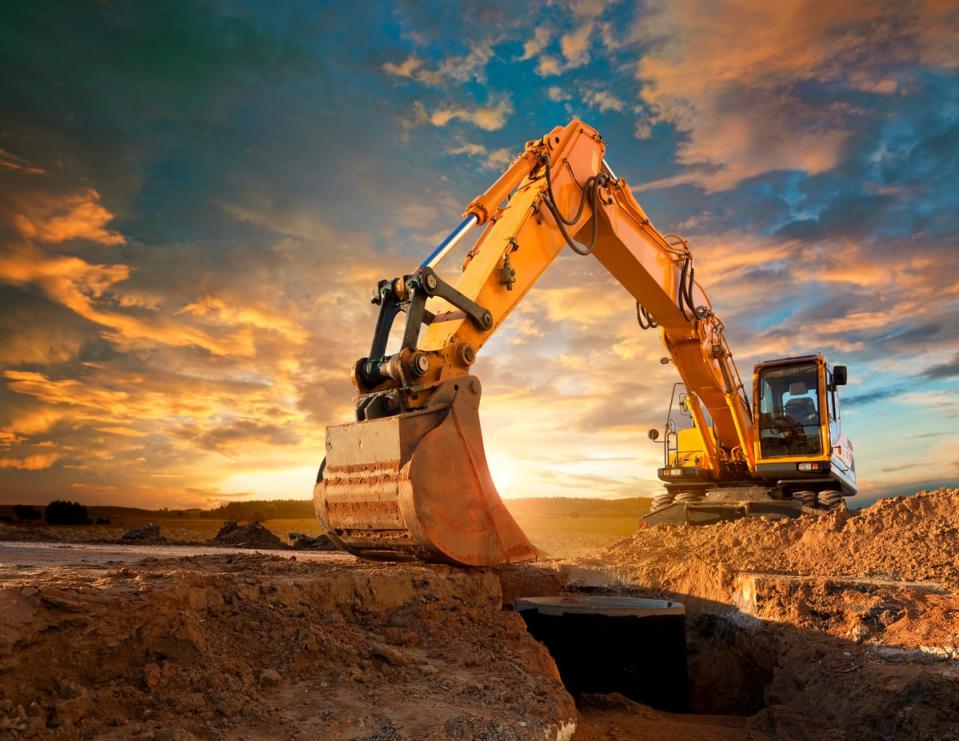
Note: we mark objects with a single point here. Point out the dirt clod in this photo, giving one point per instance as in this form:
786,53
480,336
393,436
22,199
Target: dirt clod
269,677
303,542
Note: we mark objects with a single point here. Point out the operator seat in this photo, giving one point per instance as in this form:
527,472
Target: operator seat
802,411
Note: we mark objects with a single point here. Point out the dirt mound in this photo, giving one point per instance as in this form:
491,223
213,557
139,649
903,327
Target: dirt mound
149,533
912,538
263,647
251,535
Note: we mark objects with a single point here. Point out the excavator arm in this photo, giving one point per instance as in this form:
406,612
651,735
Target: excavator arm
409,478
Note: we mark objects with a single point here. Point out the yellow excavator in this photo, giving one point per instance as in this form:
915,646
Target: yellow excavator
408,480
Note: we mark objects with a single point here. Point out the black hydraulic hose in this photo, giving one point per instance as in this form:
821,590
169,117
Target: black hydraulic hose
685,293
552,198
591,192
644,318
681,293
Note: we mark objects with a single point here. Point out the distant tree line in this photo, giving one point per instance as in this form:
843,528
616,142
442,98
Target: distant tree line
61,512
257,511
26,513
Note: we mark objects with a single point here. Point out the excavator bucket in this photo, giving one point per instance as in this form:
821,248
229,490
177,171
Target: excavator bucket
416,486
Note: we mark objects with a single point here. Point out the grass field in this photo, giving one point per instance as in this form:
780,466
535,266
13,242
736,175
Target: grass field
563,528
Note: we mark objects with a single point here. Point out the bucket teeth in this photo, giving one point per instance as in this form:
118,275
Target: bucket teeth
416,486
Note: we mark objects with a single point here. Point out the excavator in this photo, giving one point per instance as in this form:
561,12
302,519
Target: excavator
408,479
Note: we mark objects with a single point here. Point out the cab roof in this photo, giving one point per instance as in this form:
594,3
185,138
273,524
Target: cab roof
797,360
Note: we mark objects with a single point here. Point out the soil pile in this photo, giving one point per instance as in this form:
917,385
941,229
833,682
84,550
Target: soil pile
248,646
251,535
912,538
149,533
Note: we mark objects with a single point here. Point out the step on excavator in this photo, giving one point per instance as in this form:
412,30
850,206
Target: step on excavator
408,480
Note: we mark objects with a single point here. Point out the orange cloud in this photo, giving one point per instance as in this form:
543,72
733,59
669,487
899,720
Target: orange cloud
48,218
67,391
491,117
82,287
30,463
220,312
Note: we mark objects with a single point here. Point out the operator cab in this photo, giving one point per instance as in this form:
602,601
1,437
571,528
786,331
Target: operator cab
789,422
796,412
800,445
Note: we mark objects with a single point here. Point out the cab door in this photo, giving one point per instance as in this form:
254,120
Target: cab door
841,452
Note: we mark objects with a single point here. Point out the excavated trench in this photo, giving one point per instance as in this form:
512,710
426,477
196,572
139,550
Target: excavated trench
606,644
652,653
712,657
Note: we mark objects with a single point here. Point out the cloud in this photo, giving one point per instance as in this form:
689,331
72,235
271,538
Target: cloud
536,44
589,8
943,370
742,137
9,161
731,78
575,45
602,100
407,68
903,467
85,287
243,314
548,66
30,462
872,397
454,69
47,218
938,29
207,351
490,117
231,437
497,159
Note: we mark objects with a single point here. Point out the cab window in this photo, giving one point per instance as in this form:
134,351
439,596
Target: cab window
789,411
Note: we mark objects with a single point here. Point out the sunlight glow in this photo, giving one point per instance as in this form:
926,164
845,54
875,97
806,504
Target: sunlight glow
287,483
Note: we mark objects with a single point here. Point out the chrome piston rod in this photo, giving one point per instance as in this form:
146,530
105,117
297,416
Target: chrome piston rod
449,243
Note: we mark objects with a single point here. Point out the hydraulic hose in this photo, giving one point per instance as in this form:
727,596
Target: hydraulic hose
644,318
590,192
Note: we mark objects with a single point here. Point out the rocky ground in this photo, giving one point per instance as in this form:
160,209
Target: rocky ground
841,626
231,534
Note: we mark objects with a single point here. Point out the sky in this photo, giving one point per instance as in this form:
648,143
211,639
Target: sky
197,198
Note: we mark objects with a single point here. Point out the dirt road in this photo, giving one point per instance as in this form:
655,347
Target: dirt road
22,559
